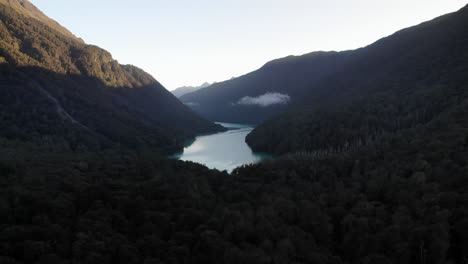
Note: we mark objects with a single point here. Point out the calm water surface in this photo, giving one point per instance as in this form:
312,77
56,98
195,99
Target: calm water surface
223,151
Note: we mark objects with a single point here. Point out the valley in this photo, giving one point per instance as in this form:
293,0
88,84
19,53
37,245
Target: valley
356,157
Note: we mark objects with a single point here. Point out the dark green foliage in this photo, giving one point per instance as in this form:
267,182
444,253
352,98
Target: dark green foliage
403,200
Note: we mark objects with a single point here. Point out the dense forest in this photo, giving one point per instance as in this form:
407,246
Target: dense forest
401,200
376,175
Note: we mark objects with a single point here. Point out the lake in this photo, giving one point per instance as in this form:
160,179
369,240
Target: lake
222,151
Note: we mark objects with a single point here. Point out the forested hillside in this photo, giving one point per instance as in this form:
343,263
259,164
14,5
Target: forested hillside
406,60
399,82
60,92
27,9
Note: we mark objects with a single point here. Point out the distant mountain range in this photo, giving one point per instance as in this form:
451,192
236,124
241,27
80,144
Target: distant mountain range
55,86
188,89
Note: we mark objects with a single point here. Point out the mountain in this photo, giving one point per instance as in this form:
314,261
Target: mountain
57,91
270,90
188,89
289,82
399,82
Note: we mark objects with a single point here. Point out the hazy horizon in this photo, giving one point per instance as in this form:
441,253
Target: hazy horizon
183,43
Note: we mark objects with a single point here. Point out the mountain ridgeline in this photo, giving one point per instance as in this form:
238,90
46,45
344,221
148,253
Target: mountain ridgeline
56,87
27,9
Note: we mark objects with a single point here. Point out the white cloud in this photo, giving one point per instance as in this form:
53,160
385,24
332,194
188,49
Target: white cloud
265,100
191,104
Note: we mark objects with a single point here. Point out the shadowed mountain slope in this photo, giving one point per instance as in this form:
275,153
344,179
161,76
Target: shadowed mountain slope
399,82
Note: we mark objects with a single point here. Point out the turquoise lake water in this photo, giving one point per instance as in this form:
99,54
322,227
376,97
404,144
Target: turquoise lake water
223,151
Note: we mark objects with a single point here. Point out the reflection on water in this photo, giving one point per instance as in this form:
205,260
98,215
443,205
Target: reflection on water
222,151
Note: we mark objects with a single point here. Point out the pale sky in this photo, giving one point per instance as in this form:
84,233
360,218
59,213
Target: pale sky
188,42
